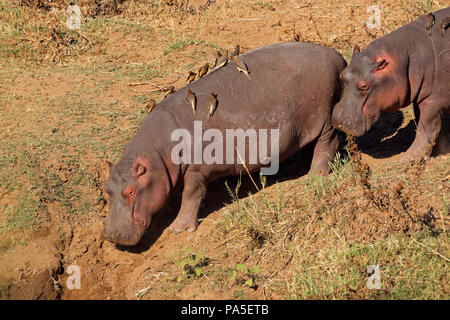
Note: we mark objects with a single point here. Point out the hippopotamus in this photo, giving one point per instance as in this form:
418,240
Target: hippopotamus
408,65
289,92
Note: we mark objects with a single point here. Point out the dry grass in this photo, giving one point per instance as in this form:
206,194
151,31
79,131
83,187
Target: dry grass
67,106
352,208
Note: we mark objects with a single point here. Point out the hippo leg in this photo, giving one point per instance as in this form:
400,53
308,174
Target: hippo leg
324,151
443,141
194,191
428,128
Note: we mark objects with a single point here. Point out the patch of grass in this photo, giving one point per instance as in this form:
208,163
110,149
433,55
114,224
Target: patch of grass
328,230
264,5
181,44
97,24
20,215
426,5
4,288
347,55
42,182
5,244
407,272
140,98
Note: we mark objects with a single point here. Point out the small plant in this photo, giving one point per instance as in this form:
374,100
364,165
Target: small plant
191,264
244,276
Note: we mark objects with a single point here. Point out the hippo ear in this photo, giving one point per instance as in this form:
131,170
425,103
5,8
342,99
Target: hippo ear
140,170
380,65
356,50
140,167
110,164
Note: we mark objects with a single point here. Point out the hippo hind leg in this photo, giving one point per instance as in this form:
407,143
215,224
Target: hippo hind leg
324,151
194,191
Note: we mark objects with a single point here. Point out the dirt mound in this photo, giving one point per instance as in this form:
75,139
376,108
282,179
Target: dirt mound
31,272
41,286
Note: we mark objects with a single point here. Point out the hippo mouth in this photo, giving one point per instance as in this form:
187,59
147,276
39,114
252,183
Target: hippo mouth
129,237
125,229
141,222
348,128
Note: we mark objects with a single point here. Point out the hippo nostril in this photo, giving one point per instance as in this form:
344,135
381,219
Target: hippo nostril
140,221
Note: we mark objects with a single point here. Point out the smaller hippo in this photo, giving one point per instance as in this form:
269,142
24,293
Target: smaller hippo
409,65
290,92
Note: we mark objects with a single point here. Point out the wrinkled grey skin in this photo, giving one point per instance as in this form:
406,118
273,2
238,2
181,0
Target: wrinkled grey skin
293,87
406,66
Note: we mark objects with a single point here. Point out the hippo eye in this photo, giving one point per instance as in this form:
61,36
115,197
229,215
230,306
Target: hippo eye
363,85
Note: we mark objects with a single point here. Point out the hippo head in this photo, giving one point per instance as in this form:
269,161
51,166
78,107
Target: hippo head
137,190
371,86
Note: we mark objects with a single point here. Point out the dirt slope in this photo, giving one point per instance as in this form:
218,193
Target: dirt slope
70,101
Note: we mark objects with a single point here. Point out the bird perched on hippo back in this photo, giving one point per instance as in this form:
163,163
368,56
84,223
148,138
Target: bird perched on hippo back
236,52
409,65
191,100
168,90
290,98
151,104
191,77
212,104
222,61
218,56
203,70
241,66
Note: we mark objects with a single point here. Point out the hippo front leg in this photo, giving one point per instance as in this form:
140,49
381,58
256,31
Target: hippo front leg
428,128
194,191
324,151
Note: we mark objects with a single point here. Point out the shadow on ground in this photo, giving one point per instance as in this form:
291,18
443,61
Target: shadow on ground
380,142
385,139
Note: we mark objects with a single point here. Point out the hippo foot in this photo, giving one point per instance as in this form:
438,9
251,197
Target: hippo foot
406,158
413,156
319,170
183,224
320,165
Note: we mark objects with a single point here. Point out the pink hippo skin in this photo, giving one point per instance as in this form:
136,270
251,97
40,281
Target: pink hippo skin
293,87
406,66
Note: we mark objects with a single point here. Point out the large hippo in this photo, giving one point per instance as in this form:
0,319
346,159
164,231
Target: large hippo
290,87
409,65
